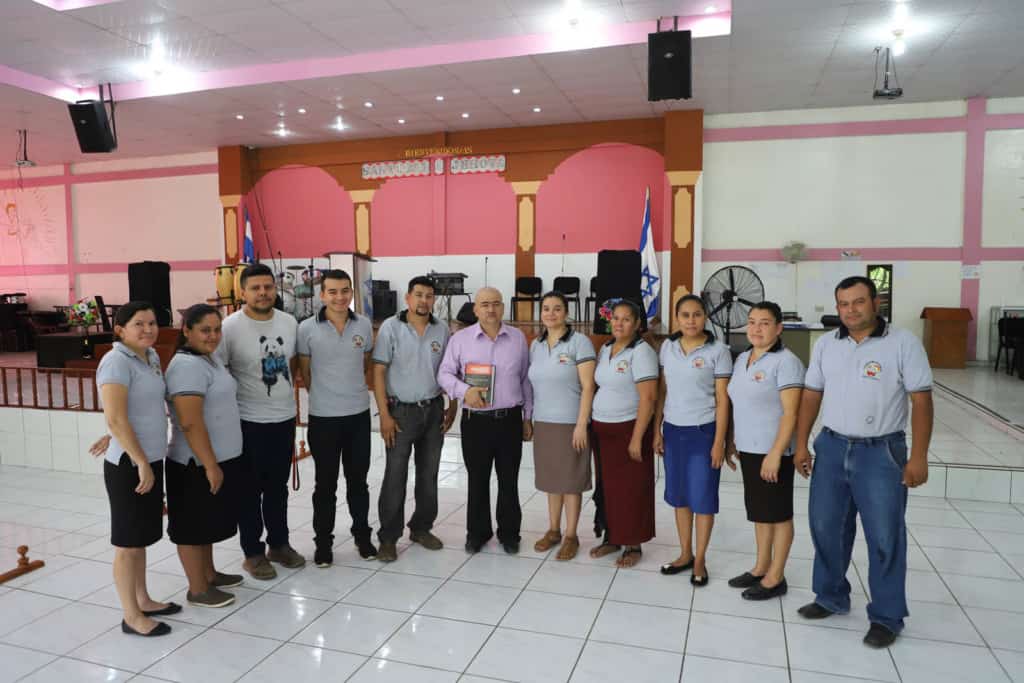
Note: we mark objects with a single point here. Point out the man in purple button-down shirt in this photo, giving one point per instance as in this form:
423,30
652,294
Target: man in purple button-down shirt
492,431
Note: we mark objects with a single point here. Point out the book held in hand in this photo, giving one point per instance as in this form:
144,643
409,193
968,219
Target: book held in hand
481,375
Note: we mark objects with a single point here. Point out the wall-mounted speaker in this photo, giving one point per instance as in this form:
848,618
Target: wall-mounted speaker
385,304
669,66
151,281
92,126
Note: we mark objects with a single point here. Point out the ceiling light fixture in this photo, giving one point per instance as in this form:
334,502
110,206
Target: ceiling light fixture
516,91
710,9
899,46
338,124
536,110
239,117
401,121
900,15
465,114
282,132
573,10
368,104
339,105
439,98
302,110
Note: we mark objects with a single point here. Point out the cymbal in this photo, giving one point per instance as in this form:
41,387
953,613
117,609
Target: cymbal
296,267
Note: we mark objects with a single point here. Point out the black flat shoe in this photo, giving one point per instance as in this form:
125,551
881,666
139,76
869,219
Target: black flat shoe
161,629
744,580
759,592
879,636
672,569
172,608
699,581
473,547
511,547
813,610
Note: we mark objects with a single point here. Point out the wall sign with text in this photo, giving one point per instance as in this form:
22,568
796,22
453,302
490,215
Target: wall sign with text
396,169
485,164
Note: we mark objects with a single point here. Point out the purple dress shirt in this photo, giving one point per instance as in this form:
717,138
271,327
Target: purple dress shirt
509,355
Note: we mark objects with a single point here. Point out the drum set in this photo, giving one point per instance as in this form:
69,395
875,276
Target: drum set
297,288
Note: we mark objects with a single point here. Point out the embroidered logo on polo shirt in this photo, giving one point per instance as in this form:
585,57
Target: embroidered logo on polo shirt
435,346
622,366
358,341
698,362
563,359
873,370
758,376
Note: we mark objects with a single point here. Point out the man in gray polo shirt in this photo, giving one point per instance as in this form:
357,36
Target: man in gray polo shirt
333,347
861,376
406,356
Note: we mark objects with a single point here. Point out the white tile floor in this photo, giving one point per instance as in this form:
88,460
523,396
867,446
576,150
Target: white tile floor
449,616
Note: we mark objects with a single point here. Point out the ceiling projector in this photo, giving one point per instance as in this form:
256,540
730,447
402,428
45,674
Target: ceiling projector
888,93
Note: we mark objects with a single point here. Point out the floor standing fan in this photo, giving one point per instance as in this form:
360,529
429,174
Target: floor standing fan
729,295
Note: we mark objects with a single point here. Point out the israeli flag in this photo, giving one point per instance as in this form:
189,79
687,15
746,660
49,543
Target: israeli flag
650,280
248,249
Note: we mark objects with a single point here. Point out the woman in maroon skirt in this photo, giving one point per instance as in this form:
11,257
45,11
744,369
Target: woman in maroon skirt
627,381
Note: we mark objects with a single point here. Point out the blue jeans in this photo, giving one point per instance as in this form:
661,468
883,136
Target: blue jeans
865,476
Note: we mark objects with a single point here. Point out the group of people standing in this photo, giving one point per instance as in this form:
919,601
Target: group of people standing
230,393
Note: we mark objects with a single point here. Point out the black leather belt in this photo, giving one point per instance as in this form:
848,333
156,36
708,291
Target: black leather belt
419,404
499,414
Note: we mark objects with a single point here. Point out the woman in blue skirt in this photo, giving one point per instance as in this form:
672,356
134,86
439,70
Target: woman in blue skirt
691,422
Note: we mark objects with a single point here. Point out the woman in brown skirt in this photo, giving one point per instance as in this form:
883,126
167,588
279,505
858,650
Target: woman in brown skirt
562,375
627,381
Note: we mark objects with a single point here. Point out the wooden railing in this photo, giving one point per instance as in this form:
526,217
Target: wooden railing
69,389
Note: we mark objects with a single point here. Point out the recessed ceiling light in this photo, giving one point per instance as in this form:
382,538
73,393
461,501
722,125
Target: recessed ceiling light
282,132
280,113
302,110
710,9
239,116
516,91
368,104
280,124
339,105
465,114
402,121
338,124
536,110
439,98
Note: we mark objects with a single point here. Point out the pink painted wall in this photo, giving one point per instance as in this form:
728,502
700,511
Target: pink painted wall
402,219
481,215
305,212
596,199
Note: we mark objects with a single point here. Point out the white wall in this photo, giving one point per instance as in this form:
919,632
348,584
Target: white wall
1003,197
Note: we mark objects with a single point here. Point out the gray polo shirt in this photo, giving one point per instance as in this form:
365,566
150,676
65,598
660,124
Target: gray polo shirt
617,398
555,377
865,385
756,404
146,390
690,380
191,374
257,353
411,360
337,369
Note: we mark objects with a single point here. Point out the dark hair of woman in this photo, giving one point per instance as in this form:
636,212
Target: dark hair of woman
125,313
191,317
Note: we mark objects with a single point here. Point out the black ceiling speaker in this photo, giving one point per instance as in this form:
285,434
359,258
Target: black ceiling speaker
96,132
669,65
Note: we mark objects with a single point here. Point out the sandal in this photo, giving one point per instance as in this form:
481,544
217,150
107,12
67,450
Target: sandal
604,549
548,541
630,557
570,546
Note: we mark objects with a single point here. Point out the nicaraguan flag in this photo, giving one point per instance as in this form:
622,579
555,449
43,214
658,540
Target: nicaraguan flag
650,280
248,249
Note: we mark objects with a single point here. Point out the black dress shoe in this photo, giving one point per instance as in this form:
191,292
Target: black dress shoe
699,581
367,551
511,547
813,610
172,608
672,569
473,547
161,629
879,636
744,580
759,592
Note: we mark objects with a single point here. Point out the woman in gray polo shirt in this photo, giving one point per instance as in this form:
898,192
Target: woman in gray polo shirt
627,381
765,389
132,390
203,458
690,427
562,375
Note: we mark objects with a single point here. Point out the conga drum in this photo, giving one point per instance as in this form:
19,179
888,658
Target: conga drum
239,269
225,277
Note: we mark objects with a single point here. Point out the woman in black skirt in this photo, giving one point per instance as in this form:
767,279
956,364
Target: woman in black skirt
132,389
203,457
767,380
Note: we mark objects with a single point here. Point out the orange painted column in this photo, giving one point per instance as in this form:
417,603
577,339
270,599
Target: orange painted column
526,236
232,252
681,281
361,200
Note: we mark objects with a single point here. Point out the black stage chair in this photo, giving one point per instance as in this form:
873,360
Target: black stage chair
1011,330
591,299
570,287
528,290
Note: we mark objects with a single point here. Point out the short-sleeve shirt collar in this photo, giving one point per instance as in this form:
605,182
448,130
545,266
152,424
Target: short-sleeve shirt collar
564,338
631,345
478,330
321,317
404,317
881,329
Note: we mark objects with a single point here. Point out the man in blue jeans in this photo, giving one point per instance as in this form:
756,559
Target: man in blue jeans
860,376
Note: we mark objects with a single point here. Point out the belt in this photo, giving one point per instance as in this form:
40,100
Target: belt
419,404
868,440
499,414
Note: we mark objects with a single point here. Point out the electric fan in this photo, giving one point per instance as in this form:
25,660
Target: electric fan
729,294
